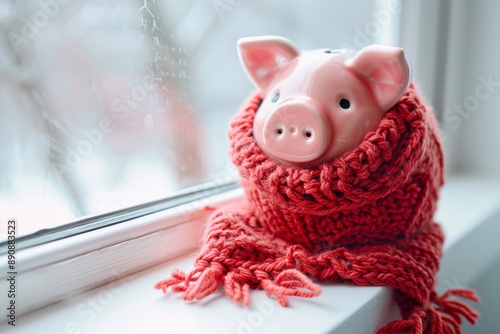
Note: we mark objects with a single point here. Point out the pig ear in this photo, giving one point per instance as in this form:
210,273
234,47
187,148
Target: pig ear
263,56
386,70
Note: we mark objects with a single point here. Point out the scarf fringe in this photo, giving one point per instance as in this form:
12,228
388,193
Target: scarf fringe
201,282
444,317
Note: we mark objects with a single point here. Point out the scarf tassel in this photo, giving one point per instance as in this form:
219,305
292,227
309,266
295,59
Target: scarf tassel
444,317
201,282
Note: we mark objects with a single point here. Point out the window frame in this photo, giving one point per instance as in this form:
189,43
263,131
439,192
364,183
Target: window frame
51,272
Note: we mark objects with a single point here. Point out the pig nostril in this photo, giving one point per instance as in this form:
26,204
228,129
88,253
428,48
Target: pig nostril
307,131
344,103
278,129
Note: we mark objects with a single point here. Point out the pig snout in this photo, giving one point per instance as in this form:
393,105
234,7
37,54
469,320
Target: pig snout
297,131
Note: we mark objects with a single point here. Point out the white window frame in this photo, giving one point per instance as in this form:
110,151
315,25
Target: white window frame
53,271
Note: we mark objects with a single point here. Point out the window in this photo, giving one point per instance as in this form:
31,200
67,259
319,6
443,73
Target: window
99,110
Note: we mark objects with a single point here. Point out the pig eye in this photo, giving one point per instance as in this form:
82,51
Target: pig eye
344,104
276,97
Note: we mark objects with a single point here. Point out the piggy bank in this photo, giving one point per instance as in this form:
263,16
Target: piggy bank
319,104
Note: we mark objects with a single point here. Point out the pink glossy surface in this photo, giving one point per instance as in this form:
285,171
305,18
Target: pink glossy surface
301,121
296,130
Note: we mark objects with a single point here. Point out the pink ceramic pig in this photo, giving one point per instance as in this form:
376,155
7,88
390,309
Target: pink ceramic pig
321,103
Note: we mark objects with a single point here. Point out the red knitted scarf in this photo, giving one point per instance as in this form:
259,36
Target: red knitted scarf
365,217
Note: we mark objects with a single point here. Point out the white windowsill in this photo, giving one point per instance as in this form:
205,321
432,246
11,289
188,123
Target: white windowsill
469,211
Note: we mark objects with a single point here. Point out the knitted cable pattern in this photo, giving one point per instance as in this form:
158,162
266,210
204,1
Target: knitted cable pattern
365,217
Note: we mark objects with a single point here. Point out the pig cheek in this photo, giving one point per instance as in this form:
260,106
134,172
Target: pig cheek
262,116
352,126
258,124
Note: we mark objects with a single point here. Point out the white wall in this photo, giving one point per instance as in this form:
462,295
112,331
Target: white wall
473,137
473,133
